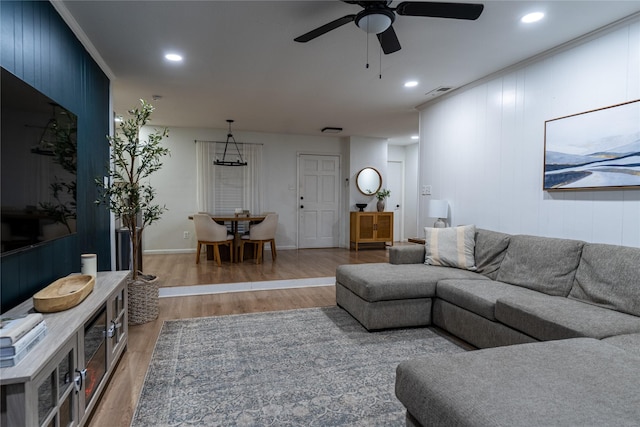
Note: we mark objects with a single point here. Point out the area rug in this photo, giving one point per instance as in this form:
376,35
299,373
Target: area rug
306,367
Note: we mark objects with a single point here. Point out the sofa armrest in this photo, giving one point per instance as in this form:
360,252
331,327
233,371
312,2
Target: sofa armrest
409,254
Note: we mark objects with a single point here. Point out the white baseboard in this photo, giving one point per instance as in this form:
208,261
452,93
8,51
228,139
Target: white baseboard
193,250
182,291
169,251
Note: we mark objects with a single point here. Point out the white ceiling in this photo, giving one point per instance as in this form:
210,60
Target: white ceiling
241,63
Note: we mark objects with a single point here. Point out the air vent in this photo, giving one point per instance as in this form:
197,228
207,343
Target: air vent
438,91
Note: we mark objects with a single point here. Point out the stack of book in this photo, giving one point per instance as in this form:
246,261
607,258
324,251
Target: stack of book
18,335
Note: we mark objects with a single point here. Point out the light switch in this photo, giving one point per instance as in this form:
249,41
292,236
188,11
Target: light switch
426,190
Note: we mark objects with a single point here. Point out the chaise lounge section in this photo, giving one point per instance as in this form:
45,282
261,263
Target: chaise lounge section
573,382
561,313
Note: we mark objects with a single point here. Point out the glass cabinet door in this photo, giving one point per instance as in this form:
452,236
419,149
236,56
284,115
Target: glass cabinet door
65,390
57,401
46,399
95,353
116,329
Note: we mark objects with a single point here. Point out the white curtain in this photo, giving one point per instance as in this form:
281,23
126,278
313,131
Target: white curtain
222,189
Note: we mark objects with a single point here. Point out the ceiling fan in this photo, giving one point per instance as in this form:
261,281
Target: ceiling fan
377,17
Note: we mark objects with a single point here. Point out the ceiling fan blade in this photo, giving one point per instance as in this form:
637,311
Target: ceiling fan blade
389,41
324,29
470,11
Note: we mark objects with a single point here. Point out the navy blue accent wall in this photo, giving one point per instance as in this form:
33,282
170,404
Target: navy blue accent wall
37,46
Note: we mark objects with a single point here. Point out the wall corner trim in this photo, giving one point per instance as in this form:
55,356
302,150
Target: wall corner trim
68,18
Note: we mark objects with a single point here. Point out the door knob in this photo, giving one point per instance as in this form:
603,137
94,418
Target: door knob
301,206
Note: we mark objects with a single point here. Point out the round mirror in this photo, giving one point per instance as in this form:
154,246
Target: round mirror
369,181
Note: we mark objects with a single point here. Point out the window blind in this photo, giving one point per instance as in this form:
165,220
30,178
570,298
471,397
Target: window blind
222,189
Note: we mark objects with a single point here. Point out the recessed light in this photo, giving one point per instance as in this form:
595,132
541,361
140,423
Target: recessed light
174,57
411,83
415,137
532,17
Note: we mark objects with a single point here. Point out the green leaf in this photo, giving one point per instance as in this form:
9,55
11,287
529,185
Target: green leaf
132,160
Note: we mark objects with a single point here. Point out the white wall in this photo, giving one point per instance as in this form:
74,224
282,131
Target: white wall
482,148
411,200
176,183
408,155
365,152
362,152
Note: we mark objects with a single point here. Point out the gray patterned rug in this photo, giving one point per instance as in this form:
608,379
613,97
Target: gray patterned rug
307,367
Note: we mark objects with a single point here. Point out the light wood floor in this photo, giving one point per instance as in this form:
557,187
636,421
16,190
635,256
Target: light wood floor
119,400
181,269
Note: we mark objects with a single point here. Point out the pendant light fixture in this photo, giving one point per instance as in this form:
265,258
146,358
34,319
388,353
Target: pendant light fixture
224,161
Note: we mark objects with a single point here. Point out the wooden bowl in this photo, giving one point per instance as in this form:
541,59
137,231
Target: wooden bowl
63,293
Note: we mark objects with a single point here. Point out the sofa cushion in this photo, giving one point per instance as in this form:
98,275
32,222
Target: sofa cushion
579,382
383,281
473,328
543,264
627,342
609,276
491,247
450,247
477,296
551,318
408,254
399,313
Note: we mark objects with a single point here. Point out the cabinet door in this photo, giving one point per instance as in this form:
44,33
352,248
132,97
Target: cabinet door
57,401
366,228
117,325
384,227
93,358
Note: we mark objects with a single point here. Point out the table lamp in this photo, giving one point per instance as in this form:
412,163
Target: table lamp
438,209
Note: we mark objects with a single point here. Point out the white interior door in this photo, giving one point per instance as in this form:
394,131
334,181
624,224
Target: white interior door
395,183
319,201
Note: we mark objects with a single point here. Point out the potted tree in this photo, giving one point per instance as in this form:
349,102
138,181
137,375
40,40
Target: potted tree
129,196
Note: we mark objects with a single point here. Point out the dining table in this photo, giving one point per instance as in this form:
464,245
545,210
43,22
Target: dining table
233,220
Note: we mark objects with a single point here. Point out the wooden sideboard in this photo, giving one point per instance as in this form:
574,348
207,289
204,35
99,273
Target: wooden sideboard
371,227
60,380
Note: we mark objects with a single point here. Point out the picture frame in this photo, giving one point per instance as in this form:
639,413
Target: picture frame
593,150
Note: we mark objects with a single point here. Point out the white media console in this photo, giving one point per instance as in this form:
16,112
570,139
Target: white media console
61,379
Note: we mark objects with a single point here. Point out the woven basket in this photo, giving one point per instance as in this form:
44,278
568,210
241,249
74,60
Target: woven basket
143,301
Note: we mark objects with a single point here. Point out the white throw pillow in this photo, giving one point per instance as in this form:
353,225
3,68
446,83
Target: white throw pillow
451,247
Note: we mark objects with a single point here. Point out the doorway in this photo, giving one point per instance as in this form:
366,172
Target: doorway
395,183
318,201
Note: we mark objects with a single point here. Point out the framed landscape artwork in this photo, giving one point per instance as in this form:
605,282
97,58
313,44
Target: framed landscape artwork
598,149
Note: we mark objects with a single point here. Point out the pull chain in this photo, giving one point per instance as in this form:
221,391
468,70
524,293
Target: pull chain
367,36
380,75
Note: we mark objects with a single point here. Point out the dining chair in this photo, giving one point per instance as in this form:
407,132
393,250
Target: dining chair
209,232
259,234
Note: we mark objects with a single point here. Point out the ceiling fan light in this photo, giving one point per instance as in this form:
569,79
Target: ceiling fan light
373,22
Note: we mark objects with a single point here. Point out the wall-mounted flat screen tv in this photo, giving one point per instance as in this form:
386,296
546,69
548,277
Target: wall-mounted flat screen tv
38,140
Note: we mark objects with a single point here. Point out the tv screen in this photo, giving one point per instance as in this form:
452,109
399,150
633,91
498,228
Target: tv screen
38,140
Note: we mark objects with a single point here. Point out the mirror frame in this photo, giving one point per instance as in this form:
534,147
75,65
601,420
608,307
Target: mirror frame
361,185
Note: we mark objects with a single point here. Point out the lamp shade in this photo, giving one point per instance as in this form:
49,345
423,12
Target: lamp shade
438,209
373,22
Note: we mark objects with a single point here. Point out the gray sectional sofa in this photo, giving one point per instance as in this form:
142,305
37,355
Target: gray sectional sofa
557,322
